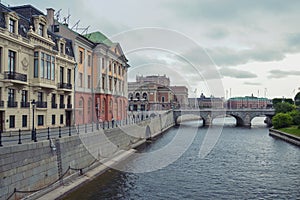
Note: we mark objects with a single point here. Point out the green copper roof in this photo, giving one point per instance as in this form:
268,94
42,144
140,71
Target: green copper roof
98,37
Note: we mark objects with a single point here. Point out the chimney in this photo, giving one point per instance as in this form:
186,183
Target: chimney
50,16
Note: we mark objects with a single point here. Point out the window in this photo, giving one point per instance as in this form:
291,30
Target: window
40,97
103,82
61,74
80,80
11,121
11,95
42,68
52,68
24,97
61,119
163,99
62,46
41,30
11,61
89,81
24,120
53,119
11,26
110,83
40,120
36,65
115,68
80,57
61,99
89,60
102,63
119,70
48,61
110,66
69,99
1,54
69,73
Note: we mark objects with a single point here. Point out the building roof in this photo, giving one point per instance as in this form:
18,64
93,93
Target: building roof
98,37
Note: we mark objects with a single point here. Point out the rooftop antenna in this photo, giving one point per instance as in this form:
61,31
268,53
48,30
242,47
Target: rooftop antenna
57,14
76,28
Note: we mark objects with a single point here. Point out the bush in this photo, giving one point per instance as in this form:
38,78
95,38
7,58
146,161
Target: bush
295,114
282,120
283,107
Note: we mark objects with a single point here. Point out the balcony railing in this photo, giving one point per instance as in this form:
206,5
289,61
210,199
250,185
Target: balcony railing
12,104
53,105
1,104
69,105
64,86
41,104
62,105
25,104
15,76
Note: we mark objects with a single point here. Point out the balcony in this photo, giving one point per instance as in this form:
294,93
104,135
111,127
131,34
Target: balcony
1,104
62,106
15,76
67,86
69,105
12,104
25,104
53,105
41,104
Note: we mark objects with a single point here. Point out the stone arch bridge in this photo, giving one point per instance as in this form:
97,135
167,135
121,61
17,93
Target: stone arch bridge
242,116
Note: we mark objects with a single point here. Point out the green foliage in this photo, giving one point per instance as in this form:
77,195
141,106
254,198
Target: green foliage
295,114
284,107
282,120
280,100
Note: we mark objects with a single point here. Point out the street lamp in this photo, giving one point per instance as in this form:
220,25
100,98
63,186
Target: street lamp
33,103
97,115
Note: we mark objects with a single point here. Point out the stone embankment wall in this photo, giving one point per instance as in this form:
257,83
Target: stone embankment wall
284,136
34,166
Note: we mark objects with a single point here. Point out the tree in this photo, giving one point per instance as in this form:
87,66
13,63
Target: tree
283,107
295,114
282,120
297,99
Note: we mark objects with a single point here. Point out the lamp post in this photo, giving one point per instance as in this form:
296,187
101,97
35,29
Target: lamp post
32,131
97,115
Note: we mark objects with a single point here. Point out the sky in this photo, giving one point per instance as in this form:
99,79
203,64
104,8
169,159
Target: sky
218,47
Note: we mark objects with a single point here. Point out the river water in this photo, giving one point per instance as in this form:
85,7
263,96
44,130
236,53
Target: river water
244,164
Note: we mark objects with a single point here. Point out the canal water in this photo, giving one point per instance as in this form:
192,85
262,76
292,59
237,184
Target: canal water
244,164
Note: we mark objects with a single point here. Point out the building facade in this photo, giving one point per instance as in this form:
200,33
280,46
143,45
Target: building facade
155,93
206,102
100,75
36,72
251,102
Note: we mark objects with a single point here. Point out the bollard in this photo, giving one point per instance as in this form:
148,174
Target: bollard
78,129
70,131
19,137
48,137
1,139
85,128
59,132
35,138
103,125
92,126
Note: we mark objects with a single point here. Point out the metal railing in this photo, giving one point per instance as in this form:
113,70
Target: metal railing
1,104
25,104
12,104
15,76
41,104
64,86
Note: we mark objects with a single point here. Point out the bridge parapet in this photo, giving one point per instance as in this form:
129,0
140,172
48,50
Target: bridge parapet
242,116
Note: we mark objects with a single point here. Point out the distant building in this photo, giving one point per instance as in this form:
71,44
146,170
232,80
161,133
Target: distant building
155,93
35,64
249,102
206,102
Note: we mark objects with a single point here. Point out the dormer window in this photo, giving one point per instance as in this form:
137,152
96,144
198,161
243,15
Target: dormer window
11,25
41,30
62,48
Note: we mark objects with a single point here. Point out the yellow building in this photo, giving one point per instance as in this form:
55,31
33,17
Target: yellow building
36,72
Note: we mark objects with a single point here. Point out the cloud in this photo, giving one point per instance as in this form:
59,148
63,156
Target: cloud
283,74
235,73
251,83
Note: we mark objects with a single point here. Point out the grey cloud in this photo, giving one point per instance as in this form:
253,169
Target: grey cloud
217,33
251,83
235,73
293,42
283,74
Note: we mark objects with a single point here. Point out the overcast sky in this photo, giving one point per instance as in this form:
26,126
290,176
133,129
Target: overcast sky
217,46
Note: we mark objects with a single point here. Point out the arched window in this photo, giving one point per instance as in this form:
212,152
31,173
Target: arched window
145,96
137,95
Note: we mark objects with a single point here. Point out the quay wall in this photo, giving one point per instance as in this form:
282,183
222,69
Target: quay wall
285,136
28,168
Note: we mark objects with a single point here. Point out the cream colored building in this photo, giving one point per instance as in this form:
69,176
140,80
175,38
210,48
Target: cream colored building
35,64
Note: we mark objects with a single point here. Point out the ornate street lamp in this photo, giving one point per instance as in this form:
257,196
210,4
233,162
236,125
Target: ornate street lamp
97,115
33,103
